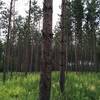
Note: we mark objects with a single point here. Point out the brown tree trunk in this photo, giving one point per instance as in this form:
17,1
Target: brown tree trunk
36,57
94,52
31,59
45,75
12,39
63,47
28,42
7,49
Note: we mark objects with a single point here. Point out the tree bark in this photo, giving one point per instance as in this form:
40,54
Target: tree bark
28,41
45,75
7,49
63,47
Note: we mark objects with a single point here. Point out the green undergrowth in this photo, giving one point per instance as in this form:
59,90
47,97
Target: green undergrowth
80,86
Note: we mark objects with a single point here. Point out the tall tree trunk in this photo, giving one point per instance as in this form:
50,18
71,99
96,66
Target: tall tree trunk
93,49
13,35
45,75
28,41
63,46
7,51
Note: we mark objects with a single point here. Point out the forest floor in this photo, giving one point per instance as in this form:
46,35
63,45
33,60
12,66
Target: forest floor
81,86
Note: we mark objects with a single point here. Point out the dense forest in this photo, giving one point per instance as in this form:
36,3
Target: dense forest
72,47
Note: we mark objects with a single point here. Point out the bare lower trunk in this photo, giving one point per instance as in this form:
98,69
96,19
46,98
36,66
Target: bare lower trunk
94,51
31,62
36,58
76,59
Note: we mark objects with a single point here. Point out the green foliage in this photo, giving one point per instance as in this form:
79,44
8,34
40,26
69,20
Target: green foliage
83,87
80,86
20,87
77,8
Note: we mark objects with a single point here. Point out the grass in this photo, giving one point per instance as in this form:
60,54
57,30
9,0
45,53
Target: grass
81,86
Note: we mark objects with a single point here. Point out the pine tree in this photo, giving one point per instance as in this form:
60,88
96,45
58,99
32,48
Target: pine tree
92,17
27,39
63,46
77,7
7,49
45,75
